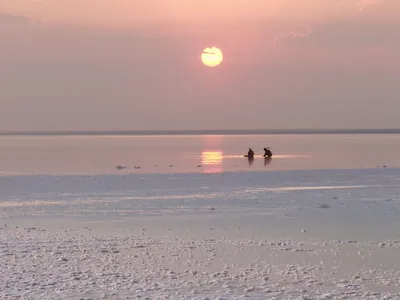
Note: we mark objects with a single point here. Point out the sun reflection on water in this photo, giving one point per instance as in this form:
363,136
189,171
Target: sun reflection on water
212,161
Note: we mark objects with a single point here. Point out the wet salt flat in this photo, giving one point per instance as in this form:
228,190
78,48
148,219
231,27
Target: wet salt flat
306,234
190,218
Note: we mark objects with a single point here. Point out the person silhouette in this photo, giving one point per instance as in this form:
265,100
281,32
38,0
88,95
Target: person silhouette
250,153
267,152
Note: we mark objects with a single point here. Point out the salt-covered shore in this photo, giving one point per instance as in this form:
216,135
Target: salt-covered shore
281,235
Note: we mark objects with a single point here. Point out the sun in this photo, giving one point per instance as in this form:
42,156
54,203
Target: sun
212,57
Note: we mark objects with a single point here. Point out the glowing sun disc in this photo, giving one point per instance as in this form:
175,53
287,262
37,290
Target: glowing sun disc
212,57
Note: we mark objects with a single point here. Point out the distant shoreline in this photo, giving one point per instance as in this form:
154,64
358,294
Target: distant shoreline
200,132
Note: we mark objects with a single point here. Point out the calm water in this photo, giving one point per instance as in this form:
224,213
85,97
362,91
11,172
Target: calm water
193,153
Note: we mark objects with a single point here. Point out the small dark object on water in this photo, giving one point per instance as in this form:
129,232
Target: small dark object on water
323,205
120,167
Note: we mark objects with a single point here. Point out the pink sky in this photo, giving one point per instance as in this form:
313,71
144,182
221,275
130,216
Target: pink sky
134,65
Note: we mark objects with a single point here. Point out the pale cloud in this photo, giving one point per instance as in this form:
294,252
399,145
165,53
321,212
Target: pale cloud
363,23
364,3
351,35
301,32
7,19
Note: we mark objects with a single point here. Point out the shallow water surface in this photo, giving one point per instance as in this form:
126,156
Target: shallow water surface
182,154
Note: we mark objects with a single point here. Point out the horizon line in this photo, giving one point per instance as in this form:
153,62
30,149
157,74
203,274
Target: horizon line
198,132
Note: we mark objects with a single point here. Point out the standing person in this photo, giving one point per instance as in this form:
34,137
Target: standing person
250,154
267,152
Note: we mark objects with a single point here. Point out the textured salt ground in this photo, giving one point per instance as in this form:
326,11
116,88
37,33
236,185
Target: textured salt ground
284,235
84,263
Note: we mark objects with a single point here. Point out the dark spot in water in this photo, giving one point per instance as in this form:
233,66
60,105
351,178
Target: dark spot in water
323,205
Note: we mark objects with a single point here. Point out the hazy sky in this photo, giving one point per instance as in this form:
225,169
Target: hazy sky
135,64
